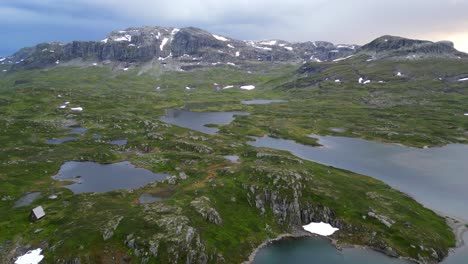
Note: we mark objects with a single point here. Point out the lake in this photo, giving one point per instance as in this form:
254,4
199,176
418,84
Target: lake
435,177
198,120
95,177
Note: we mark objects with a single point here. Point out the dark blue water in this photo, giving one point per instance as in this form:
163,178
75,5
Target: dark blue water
95,177
318,251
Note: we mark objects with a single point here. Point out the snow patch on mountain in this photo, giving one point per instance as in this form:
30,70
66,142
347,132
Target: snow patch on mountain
221,38
269,43
163,43
125,37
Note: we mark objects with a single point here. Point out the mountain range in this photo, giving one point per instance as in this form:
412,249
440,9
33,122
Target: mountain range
190,48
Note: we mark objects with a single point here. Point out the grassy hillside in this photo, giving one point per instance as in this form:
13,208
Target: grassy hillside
415,110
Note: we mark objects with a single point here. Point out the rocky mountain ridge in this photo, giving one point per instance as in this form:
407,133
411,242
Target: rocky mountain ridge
191,48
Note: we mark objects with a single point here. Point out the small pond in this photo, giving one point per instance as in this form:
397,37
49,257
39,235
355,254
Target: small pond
119,142
95,177
198,120
27,199
262,101
58,141
232,158
149,198
76,129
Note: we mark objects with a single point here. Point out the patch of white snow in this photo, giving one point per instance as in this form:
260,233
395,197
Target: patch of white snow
31,257
463,79
247,87
163,43
220,38
361,80
269,43
229,86
104,40
124,38
237,53
79,109
321,228
289,48
230,46
345,58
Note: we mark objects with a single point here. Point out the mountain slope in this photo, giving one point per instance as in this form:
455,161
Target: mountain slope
398,47
189,45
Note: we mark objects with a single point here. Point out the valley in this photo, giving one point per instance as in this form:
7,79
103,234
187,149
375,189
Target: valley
178,125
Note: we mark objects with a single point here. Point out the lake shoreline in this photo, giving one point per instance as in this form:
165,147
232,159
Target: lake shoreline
459,228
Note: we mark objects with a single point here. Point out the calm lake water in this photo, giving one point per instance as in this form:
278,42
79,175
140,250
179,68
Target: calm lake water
27,199
435,177
198,120
95,177
262,101
318,251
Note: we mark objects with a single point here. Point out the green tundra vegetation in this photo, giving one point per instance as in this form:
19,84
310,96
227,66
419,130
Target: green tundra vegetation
216,211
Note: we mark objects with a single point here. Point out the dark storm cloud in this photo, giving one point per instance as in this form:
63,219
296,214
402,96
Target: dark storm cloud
26,22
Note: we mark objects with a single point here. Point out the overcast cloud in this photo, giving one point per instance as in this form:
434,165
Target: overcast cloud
28,22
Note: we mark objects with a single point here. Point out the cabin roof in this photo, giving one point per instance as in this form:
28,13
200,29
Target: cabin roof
38,212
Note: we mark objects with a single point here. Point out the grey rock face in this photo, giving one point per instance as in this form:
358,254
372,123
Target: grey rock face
391,46
203,206
188,46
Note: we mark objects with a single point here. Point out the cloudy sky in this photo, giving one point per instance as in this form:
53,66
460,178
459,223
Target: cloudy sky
28,22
